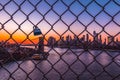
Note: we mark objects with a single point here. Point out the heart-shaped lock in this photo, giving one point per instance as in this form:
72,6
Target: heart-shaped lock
36,31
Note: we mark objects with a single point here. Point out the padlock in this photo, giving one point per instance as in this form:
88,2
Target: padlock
36,31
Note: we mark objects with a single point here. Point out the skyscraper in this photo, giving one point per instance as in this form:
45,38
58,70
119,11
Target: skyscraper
111,40
95,35
51,41
87,37
41,44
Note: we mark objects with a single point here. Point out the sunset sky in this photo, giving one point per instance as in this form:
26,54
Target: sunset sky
92,15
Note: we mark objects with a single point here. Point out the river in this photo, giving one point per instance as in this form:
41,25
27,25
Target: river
66,64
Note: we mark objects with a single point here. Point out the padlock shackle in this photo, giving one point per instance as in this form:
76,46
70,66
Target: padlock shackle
34,27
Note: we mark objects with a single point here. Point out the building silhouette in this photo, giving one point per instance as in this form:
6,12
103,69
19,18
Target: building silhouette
51,41
111,41
86,43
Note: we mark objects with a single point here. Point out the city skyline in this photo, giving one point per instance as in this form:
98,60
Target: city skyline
85,38
84,42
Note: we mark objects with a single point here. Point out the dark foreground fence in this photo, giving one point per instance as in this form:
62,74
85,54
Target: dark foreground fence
80,40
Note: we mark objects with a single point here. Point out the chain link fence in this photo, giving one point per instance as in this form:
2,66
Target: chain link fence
80,40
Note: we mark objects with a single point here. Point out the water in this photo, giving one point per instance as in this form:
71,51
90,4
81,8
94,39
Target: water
71,65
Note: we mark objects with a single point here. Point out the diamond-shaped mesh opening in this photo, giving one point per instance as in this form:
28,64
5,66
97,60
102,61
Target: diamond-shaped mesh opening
113,72
5,17
70,18
57,27
51,17
35,17
94,27
93,9
95,70
104,59
19,17
4,35
43,7
85,18
114,7
11,26
27,27
11,8
27,8
77,28
103,19
109,29
76,8
20,37
59,8
86,61
59,40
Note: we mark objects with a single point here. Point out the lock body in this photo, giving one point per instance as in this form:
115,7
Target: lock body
37,31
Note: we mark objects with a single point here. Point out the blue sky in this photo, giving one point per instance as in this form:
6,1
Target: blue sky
76,15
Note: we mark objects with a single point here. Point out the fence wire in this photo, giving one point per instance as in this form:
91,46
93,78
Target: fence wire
80,40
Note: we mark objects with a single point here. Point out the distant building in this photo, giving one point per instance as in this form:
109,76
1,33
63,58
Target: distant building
41,44
95,35
87,37
86,42
111,40
83,38
61,42
75,40
75,37
51,41
100,39
117,40
105,42
68,38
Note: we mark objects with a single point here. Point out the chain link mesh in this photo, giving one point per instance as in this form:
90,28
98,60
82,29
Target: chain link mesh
75,54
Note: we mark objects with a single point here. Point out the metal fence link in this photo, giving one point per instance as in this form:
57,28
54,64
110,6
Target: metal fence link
80,40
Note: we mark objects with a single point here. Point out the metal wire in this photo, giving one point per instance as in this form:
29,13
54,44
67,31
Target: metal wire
70,70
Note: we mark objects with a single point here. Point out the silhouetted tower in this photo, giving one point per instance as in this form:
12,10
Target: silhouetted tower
62,38
83,38
100,39
105,41
61,41
67,39
117,40
87,37
95,35
111,40
41,44
51,41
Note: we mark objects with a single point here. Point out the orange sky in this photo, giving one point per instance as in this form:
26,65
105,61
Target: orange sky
21,37
60,28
